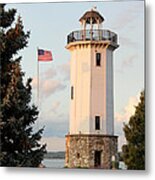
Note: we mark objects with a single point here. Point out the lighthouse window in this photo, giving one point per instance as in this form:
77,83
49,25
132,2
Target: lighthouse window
97,122
98,59
78,155
72,92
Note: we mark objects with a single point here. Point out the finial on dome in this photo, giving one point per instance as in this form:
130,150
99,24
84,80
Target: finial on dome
92,14
94,8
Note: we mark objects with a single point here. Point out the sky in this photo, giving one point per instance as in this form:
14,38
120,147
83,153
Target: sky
49,24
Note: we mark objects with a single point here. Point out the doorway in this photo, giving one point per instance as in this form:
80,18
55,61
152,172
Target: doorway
97,159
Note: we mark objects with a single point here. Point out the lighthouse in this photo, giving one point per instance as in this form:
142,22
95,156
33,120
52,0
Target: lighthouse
91,142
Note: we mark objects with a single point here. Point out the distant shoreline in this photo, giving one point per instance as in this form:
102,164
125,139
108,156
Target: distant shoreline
55,155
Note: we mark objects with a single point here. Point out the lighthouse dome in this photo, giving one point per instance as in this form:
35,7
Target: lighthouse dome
93,15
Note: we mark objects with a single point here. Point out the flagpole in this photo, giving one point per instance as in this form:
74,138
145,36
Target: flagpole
38,82
37,86
47,57
37,78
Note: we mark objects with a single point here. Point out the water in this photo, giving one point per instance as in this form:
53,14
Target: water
54,163
60,163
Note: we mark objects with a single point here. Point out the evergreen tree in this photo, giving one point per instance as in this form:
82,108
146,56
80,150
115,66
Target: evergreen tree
19,145
134,150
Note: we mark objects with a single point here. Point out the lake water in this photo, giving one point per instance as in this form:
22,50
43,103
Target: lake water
54,163
60,163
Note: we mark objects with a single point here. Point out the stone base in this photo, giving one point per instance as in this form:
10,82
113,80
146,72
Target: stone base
90,151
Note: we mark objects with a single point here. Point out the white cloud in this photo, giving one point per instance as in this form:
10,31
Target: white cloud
65,70
54,143
50,73
124,116
128,110
48,87
55,106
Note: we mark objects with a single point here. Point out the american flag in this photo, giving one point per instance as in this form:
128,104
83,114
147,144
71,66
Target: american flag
44,55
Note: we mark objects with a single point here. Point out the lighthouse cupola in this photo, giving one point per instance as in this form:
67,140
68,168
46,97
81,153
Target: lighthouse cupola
91,18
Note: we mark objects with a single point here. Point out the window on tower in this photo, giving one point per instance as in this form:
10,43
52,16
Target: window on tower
97,122
72,92
98,59
78,155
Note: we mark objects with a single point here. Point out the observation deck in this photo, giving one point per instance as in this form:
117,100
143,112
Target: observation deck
93,35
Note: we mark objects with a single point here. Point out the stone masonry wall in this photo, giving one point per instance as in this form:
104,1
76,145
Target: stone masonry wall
80,150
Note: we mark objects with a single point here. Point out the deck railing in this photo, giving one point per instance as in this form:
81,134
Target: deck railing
92,35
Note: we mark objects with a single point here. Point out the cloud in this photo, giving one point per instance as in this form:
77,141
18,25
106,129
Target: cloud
54,143
124,116
49,83
128,110
55,106
127,63
54,126
124,41
65,70
127,16
48,87
50,73
54,114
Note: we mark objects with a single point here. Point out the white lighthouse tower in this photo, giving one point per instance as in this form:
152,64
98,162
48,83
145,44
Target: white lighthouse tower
91,141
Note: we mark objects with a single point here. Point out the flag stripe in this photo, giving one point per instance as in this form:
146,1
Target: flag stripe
44,55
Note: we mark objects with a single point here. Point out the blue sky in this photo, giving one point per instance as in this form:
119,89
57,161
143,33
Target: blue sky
49,24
